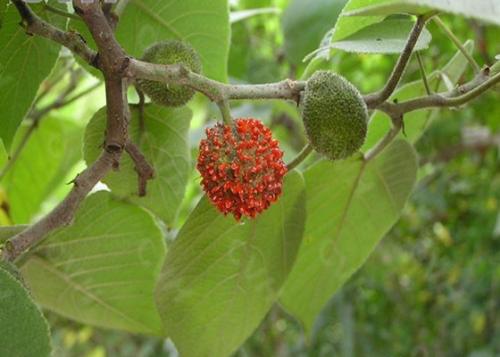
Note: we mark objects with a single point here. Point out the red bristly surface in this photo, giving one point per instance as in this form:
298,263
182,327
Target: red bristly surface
241,167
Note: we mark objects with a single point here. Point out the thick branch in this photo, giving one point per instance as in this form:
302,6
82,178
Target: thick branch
64,212
373,100
113,63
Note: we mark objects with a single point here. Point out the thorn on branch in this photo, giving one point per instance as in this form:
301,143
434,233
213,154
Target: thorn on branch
145,171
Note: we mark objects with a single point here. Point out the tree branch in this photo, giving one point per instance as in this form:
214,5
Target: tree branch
36,115
457,43
64,212
214,90
374,100
113,63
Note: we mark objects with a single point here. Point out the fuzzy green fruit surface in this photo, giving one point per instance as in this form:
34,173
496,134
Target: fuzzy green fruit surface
335,115
170,52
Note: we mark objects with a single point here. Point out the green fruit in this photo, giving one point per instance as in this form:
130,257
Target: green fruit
170,52
335,115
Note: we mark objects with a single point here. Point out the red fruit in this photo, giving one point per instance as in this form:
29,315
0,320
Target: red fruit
241,167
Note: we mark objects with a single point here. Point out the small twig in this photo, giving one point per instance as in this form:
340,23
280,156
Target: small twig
301,156
36,115
145,171
120,7
457,43
48,85
373,100
79,95
64,212
19,149
61,12
424,75
397,125
225,111
454,98
481,40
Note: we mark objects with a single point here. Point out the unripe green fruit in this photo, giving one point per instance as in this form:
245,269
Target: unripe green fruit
335,115
170,52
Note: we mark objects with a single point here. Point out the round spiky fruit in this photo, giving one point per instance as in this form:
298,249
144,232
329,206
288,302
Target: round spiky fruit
241,167
170,52
334,114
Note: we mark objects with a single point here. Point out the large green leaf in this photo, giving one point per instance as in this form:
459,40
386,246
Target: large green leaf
102,269
41,167
487,10
24,330
304,24
350,206
164,143
388,36
416,122
25,61
221,277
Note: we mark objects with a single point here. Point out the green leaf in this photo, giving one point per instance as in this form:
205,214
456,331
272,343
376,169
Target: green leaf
346,26
416,122
51,151
25,61
351,205
3,9
102,269
221,277
164,143
487,10
388,36
304,24
25,331
204,24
